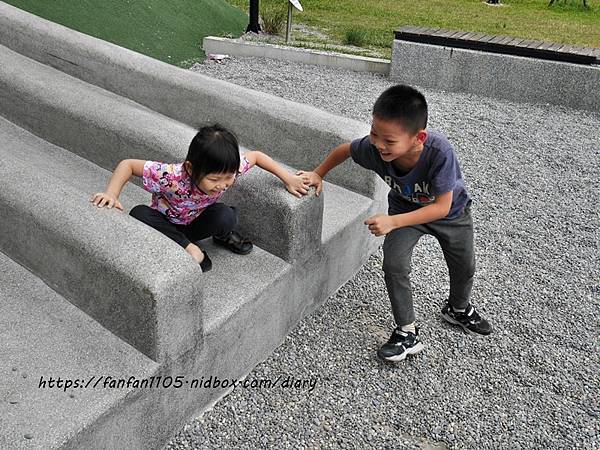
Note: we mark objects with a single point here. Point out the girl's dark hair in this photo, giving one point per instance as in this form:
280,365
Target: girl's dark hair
214,149
404,105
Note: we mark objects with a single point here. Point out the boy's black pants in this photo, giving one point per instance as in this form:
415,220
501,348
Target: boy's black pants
216,220
456,239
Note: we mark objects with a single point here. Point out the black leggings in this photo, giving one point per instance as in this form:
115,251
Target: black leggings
216,220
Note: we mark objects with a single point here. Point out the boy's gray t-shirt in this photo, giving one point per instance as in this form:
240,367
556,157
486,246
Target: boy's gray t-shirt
437,171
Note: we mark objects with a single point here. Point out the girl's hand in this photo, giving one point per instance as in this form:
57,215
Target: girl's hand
297,185
380,224
102,199
313,179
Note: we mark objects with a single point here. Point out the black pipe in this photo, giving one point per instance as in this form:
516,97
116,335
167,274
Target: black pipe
253,26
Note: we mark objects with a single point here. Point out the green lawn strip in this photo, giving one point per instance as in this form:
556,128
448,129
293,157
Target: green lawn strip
170,31
565,22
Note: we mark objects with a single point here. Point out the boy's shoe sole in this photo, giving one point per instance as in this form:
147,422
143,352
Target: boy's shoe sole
417,348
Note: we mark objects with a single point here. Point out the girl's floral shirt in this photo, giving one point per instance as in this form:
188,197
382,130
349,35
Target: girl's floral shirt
175,195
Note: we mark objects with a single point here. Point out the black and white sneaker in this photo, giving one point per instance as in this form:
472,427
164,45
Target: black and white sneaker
469,320
400,344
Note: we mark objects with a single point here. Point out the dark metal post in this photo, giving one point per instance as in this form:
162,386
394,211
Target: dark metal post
253,26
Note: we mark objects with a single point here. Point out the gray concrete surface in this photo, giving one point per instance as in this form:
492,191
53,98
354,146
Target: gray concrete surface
258,289
298,135
86,254
129,278
496,75
287,226
44,336
238,47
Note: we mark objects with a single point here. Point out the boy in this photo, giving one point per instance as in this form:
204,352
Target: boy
427,196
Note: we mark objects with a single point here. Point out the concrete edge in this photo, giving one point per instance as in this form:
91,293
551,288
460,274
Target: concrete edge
236,47
286,226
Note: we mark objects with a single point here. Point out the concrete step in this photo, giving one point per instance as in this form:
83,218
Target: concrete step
44,336
297,134
111,266
105,128
345,237
57,213
342,208
116,269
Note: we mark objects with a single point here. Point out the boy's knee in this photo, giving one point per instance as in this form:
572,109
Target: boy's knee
396,266
396,260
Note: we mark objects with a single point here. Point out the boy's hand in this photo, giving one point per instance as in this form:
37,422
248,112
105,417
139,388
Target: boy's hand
380,224
102,199
313,179
297,185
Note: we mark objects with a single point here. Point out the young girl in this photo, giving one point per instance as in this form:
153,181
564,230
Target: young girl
185,195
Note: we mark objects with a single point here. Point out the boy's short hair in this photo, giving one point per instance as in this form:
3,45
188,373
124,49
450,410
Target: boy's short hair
402,104
214,149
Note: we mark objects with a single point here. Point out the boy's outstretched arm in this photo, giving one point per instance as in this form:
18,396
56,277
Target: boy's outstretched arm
293,183
337,156
120,176
382,224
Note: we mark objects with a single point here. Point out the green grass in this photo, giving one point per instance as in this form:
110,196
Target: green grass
169,30
356,37
565,22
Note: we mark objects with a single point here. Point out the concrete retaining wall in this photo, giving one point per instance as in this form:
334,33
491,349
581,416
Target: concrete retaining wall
236,47
495,75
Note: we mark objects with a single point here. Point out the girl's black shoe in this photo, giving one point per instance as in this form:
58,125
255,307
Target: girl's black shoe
234,242
206,263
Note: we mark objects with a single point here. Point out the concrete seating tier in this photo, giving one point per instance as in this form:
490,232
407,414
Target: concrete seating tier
87,292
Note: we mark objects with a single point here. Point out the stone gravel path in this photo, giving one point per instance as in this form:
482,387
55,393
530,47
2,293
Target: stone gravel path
533,172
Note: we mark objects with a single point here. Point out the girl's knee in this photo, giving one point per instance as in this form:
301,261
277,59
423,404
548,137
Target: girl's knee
226,218
141,213
137,211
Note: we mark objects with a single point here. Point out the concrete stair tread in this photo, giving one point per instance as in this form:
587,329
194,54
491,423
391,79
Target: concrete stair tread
236,280
66,168
52,90
340,208
42,334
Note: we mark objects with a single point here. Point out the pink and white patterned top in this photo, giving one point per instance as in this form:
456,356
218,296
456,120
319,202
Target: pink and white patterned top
175,195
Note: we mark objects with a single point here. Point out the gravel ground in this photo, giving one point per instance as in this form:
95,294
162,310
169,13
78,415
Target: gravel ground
533,173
